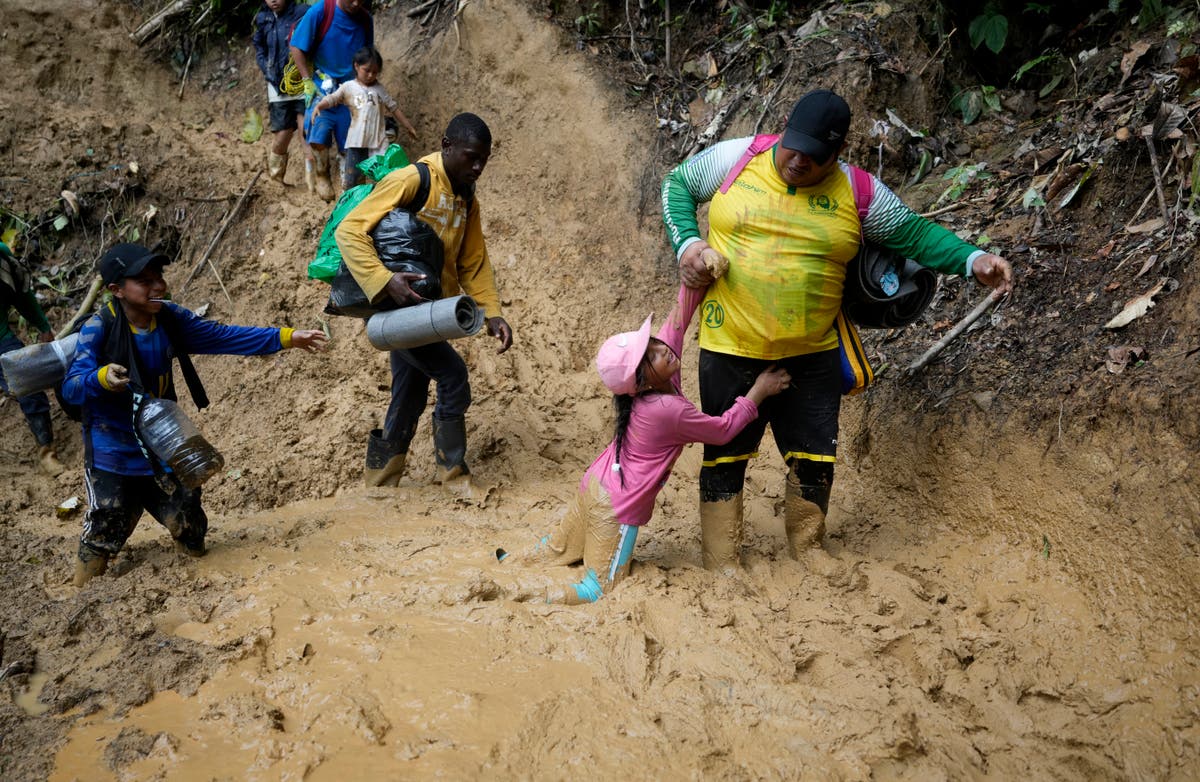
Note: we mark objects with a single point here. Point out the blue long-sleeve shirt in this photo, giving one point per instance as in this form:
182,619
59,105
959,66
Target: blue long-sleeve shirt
109,441
272,39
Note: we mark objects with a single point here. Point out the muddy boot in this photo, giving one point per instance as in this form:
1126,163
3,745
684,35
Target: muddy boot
804,516
321,164
48,461
310,175
276,166
721,533
86,570
385,463
450,448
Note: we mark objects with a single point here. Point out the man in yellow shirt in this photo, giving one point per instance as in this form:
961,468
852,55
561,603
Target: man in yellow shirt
788,225
452,210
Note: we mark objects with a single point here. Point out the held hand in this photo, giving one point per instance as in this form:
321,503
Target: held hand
310,90
692,270
312,340
317,108
411,131
499,328
46,336
769,382
399,290
117,377
993,271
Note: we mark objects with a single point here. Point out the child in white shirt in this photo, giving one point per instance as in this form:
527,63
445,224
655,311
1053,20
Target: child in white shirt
366,99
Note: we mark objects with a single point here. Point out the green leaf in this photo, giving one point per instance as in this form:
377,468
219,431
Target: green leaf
1032,198
61,222
1036,61
989,29
970,105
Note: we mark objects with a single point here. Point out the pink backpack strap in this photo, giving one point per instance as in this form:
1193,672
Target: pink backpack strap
864,190
761,143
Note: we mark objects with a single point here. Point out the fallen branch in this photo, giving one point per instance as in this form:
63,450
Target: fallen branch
84,309
154,24
216,240
962,326
1158,186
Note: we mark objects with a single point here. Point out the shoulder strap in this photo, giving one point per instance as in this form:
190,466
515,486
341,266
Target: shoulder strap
422,194
326,23
864,190
190,377
761,143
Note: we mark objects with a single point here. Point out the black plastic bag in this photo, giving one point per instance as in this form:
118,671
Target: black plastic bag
886,290
404,243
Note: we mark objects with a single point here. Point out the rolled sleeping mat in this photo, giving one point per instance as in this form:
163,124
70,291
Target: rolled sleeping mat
424,324
39,366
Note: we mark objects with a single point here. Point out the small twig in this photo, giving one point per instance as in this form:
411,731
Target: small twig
632,42
1158,186
667,31
187,67
210,199
84,308
417,9
774,94
941,344
216,239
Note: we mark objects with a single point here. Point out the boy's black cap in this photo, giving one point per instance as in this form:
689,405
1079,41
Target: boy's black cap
127,260
818,125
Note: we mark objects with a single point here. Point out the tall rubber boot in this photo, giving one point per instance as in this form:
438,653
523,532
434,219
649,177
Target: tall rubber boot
385,462
310,174
276,166
321,158
450,448
43,432
804,516
86,570
721,533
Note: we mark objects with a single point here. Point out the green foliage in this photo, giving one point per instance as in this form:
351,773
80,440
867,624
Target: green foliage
1052,62
588,22
974,101
989,28
960,178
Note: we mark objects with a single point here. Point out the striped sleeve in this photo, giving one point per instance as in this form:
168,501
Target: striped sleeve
891,223
693,182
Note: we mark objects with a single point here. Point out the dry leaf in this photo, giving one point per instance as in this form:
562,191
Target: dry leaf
1136,308
1153,259
1119,358
71,201
1150,226
1131,57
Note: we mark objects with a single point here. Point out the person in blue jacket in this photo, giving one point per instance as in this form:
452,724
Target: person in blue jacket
125,352
323,47
273,28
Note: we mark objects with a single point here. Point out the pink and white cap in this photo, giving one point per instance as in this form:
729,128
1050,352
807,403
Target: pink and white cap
619,357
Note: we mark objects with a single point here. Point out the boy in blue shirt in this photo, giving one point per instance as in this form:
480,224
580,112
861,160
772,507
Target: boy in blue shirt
323,47
125,350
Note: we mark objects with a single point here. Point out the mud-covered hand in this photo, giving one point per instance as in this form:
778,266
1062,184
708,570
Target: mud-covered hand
769,382
116,377
312,340
693,272
498,327
310,90
46,336
993,271
398,288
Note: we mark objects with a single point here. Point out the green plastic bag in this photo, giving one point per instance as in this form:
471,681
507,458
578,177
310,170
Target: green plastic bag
325,265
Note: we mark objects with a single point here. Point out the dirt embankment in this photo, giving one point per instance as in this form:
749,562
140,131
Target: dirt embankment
1013,588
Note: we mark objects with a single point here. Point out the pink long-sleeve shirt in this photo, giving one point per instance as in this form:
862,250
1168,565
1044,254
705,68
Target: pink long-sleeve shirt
659,426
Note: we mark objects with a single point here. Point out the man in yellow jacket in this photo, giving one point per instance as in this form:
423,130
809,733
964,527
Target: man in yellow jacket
452,210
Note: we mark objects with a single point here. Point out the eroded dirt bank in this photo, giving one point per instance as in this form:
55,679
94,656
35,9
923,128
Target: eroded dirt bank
1015,586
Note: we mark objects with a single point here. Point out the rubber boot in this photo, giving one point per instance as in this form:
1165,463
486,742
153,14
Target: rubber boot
277,166
48,461
321,174
385,463
85,571
804,516
450,448
310,175
721,533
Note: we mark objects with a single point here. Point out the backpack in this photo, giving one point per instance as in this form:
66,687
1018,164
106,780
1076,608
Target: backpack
856,370
404,243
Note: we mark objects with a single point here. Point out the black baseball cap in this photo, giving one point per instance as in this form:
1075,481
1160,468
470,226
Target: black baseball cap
127,260
817,125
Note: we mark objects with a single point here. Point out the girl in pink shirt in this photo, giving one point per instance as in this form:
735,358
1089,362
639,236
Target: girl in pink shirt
654,422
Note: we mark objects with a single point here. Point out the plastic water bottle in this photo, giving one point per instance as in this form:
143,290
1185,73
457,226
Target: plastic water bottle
173,437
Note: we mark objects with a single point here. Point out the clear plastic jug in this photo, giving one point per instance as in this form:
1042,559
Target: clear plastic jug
39,366
173,437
